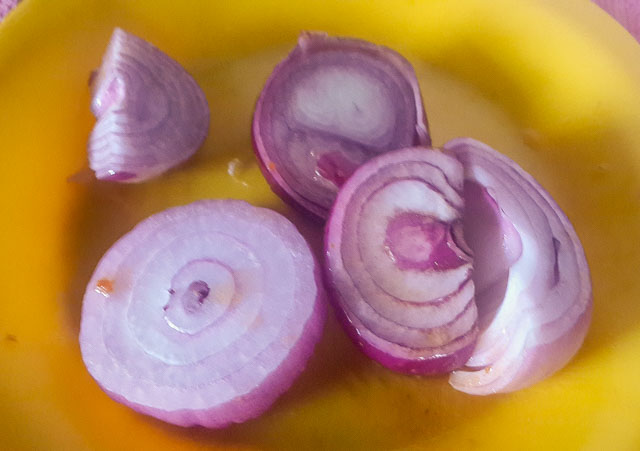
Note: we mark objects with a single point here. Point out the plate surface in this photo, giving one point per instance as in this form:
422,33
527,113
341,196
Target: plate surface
554,85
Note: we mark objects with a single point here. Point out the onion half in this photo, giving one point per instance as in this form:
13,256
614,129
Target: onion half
397,265
152,115
332,104
533,288
203,314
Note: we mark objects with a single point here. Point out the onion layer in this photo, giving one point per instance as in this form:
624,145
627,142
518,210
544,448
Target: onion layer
332,104
396,262
152,115
203,314
533,288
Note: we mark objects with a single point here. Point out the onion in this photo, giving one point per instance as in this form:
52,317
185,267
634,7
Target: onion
397,265
151,113
203,314
533,288
627,12
332,104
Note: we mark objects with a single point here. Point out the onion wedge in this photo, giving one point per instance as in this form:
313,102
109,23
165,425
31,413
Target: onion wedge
152,115
397,266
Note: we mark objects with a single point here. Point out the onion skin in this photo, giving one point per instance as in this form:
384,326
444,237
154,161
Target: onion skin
152,115
626,12
409,305
221,350
545,306
332,104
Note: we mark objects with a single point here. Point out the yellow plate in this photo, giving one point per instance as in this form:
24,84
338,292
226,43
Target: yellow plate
553,84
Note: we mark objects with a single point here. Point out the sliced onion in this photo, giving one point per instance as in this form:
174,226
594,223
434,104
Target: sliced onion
533,287
396,262
152,115
332,104
203,314
626,12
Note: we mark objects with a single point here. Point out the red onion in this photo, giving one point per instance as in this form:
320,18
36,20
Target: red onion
533,288
397,265
151,113
627,12
332,104
203,314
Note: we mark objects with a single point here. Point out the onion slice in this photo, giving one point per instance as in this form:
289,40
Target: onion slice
533,288
152,115
332,104
397,265
203,314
